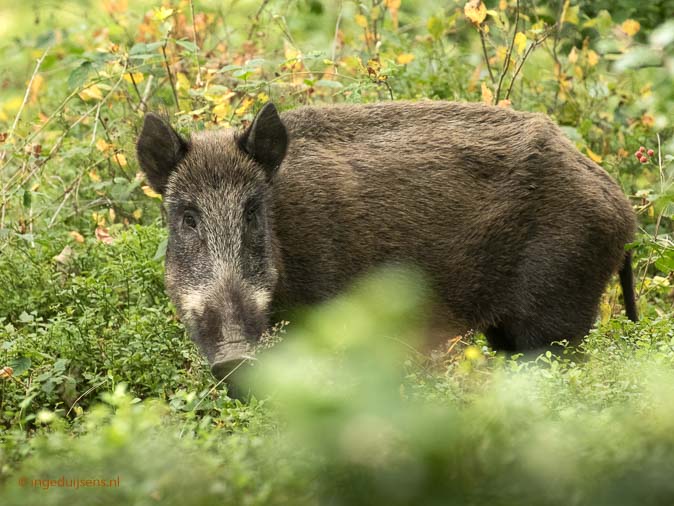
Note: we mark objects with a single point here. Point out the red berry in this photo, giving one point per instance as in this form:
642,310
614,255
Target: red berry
638,155
643,159
642,149
651,152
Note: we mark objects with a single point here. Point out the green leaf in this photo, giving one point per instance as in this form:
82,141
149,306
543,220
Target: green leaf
27,199
161,250
326,83
20,365
78,76
188,44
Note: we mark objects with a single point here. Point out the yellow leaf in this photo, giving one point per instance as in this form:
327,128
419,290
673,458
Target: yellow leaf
121,159
630,27
98,218
475,11
245,105
92,92
405,58
102,145
112,6
6,372
35,86
161,13
592,58
502,5
520,42
263,97
77,237
570,14
573,55
221,111
138,213
501,53
137,77
651,212
182,83
593,156
578,72
112,214
94,176
150,192
487,95
361,20
393,6
472,353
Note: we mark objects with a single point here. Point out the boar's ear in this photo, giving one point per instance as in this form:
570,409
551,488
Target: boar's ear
266,139
159,150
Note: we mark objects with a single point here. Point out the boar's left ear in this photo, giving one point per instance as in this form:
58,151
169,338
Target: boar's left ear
266,139
159,149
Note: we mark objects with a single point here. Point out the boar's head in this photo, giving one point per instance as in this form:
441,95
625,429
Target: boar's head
216,190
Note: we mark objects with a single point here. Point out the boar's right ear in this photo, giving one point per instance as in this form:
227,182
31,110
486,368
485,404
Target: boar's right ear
266,139
159,150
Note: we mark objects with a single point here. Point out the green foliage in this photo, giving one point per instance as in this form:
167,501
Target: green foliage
97,377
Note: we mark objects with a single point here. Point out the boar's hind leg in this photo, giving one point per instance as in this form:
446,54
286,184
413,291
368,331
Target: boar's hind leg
548,312
536,335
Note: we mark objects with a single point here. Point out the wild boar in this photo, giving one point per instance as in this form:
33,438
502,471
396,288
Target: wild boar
516,230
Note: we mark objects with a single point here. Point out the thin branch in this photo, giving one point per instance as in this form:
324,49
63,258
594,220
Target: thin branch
196,51
59,141
486,56
506,64
27,95
555,57
334,40
256,19
529,50
146,93
170,76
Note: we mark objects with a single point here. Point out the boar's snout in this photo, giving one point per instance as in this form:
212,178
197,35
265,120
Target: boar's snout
227,326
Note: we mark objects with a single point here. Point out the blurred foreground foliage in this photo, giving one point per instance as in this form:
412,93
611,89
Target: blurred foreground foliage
97,378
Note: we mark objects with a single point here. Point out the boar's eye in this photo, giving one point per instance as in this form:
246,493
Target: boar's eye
190,219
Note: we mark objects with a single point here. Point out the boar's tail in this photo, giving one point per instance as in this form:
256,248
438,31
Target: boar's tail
627,285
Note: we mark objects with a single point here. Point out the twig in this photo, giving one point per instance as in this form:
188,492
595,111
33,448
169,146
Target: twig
506,64
146,93
93,134
85,393
334,40
59,141
170,76
529,50
245,360
196,51
486,56
135,86
558,65
66,194
27,94
658,221
256,19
